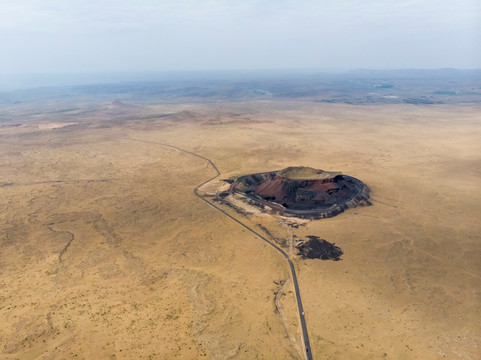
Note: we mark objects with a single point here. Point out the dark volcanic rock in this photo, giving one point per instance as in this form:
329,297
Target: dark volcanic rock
304,192
317,248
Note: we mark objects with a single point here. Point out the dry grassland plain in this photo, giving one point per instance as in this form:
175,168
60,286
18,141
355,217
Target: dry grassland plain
105,252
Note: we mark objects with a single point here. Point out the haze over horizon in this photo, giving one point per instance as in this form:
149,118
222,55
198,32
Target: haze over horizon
87,36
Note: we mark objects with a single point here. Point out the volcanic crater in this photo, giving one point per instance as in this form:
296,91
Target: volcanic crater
303,191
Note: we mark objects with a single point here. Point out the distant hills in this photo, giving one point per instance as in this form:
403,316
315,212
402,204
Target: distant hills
360,86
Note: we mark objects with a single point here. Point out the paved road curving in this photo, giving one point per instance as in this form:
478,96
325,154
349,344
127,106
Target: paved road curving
305,336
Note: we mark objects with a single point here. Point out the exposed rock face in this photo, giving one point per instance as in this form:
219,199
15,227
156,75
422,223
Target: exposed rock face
317,248
304,192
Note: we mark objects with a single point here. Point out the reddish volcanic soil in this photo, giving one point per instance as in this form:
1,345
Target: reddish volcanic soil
303,191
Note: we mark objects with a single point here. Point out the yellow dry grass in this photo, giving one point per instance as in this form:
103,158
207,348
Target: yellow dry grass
106,253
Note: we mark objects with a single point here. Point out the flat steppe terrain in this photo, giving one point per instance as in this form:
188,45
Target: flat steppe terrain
106,253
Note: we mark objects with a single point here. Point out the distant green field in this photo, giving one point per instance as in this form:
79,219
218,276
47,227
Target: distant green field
445,92
63,111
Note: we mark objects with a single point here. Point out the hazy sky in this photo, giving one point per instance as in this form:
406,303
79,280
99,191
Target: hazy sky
150,35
